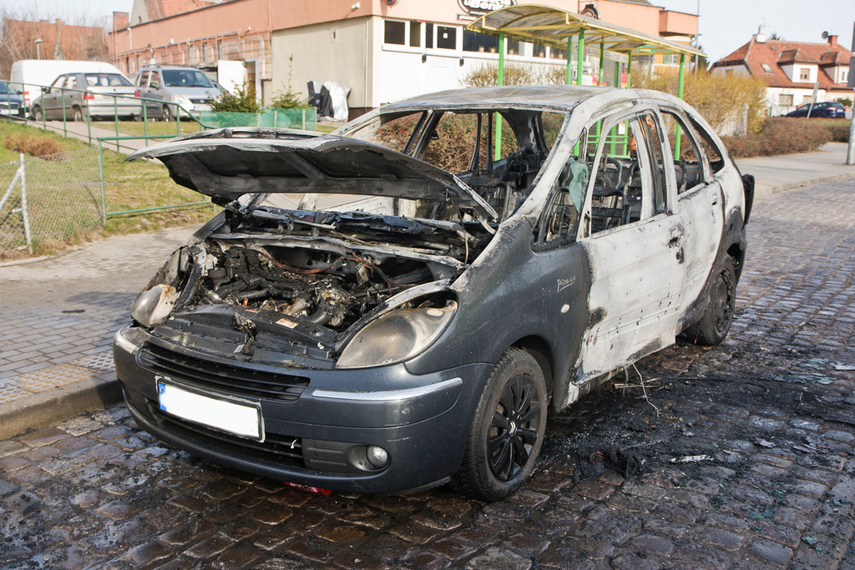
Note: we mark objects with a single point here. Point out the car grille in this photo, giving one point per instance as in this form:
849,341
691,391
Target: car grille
221,377
200,101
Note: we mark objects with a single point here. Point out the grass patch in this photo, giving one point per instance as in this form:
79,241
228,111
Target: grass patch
64,195
139,129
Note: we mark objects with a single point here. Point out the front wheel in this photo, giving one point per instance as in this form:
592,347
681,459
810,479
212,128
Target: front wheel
507,430
37,114
715,323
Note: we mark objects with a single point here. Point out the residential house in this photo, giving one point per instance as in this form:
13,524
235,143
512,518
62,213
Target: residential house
792,70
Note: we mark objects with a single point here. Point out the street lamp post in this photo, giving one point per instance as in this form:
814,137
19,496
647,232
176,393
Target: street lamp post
38,48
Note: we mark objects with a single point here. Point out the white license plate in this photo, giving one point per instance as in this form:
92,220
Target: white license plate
241,418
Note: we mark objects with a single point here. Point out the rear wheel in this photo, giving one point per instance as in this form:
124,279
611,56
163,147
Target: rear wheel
77,114
714,325
507,430
167,114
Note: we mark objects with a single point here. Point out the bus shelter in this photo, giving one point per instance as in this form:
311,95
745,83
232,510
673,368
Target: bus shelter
557,28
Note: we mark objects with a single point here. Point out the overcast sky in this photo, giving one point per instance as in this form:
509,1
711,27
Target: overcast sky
724,24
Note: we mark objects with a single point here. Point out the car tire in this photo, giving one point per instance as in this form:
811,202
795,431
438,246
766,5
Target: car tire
715,323
167,114
507,430
77,115
37,114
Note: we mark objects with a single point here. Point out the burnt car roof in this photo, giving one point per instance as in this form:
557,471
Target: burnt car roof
546,97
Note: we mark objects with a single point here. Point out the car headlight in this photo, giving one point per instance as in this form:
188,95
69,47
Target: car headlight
152,307
181,100
396,336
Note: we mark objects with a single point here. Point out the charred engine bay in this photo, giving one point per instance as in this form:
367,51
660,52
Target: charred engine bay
280,281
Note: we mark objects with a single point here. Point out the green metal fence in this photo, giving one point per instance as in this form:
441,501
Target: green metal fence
304,119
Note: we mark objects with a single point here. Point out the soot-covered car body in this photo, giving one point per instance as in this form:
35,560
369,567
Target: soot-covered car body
396,305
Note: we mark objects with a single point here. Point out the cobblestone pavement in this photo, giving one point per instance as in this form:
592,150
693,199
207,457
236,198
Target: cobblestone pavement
740,456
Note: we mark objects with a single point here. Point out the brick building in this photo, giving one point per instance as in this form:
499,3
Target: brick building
383,49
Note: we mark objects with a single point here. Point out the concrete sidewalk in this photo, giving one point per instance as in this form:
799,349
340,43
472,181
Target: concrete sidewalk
58,314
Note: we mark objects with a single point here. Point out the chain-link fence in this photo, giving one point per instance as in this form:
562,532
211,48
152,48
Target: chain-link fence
49,201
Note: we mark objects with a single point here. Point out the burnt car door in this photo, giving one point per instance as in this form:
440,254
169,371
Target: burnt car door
700,201
634,241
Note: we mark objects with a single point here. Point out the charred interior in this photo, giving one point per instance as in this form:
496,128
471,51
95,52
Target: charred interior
326,269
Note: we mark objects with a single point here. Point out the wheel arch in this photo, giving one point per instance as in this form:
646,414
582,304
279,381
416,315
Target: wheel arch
541,351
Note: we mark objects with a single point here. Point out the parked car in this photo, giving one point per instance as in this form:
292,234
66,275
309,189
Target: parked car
829,110
186,87
74,96
11,102
30,75
391,307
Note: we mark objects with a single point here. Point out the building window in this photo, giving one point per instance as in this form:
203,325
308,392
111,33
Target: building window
415,34
429,35
766,67
219,49
446,37
395,33
807,99
804,74
785,100
538,50
514,47
844,74
204,52
473,41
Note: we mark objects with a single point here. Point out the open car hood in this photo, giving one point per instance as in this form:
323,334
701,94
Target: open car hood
228,163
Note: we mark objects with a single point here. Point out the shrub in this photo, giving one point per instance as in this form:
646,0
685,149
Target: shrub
719,98
287,98
515,74
780,136
839,130
33,145
241,101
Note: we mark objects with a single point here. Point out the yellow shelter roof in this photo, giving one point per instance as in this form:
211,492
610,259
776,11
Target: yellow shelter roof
548,25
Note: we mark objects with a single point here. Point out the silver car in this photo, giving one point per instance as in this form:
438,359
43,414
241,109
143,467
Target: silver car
77,95
186,88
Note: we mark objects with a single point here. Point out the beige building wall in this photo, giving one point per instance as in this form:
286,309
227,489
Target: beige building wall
332,51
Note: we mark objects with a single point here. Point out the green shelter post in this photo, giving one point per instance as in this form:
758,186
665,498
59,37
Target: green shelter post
500,80
679,96
580,56
628,69
602,71
568,75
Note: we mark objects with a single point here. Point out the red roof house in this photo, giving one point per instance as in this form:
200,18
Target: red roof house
792,70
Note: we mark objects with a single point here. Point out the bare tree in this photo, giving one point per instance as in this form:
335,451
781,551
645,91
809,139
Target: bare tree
80,37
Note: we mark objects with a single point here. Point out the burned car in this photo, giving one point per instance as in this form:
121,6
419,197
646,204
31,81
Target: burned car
398,304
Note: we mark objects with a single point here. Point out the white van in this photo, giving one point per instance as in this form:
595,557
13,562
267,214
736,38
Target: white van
30,75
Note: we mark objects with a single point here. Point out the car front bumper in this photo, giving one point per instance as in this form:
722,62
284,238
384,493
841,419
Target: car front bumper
319,437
